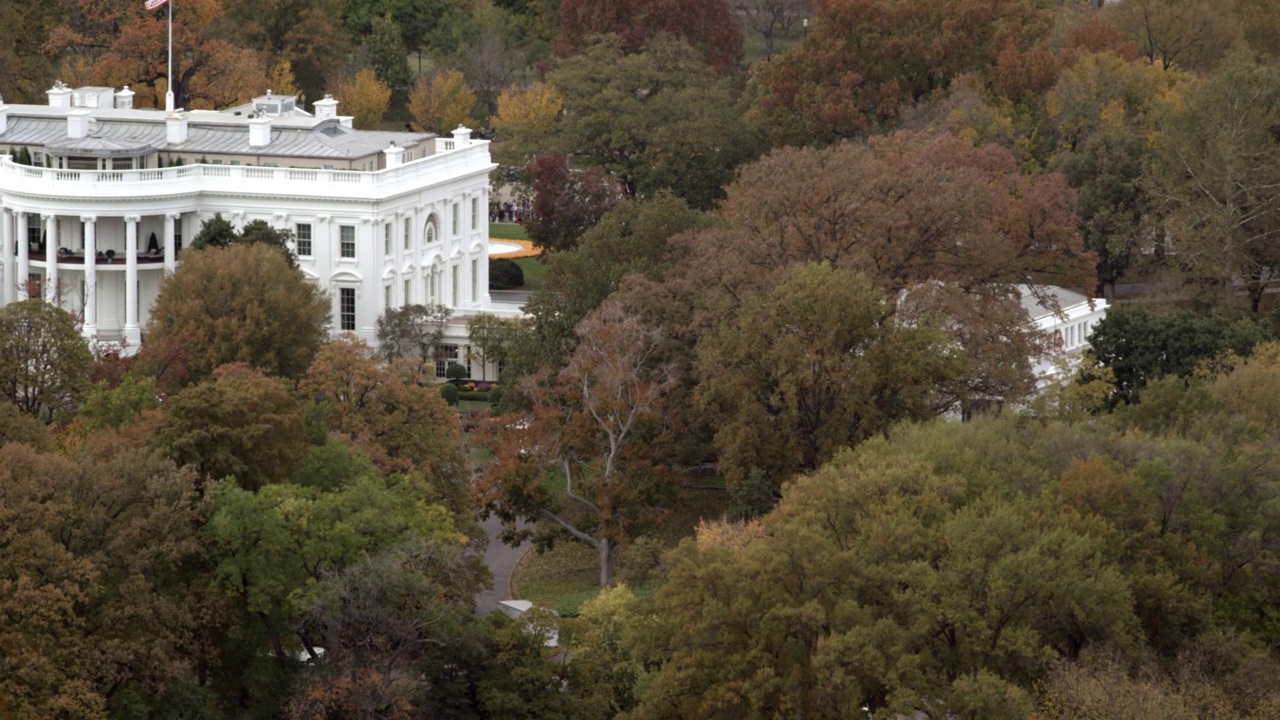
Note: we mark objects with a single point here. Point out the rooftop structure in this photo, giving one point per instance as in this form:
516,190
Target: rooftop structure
97,198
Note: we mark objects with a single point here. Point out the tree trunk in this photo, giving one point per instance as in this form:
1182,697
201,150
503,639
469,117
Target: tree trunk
606,562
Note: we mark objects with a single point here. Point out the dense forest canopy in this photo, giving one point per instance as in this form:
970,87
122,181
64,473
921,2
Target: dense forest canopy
785,246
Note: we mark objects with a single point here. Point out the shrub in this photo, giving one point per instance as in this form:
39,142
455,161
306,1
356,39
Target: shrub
495,395
456,372
751,498
505,273
449,393
472,395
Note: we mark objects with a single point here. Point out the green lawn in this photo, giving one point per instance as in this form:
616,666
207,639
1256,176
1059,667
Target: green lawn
533,271
566,576
507,231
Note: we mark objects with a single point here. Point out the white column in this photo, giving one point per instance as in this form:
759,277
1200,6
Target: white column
170,254
24,256
51,260
132,333
6,239
90,275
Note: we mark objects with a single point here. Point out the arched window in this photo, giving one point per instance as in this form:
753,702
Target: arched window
431,232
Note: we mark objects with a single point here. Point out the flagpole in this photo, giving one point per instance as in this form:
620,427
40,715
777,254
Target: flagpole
168,96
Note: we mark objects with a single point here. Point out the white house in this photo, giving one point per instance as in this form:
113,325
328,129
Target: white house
1071,322
93,224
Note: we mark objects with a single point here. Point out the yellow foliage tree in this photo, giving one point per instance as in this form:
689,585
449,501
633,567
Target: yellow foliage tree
282,80
532,109
365,97
442,102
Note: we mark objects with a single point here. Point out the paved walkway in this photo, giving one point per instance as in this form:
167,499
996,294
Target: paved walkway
501,559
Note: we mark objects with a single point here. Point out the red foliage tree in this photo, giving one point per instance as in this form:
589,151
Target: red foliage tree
566,202
707,25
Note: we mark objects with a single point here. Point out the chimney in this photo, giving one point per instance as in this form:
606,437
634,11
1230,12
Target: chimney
124,99
4,117
326,108
461,136
395,155
59,95
259,132
175,128
78,124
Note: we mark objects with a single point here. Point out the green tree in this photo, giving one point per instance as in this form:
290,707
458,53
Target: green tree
44,361
1140,346
387,53
654,120
491,339
815,366
240,423
413,332
241,303
380,618
271,549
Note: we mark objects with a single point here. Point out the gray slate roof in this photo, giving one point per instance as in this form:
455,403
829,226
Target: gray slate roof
1036,308
209,132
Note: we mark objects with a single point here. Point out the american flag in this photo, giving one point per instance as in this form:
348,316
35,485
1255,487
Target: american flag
156,4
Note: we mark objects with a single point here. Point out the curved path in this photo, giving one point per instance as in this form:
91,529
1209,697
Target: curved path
501,559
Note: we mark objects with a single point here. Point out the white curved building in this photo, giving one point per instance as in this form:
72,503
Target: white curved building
382,219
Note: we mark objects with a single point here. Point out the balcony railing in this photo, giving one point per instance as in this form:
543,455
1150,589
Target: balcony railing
446,163
77,258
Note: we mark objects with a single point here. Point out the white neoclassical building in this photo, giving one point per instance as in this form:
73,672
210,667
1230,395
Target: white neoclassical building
1069,317
98,198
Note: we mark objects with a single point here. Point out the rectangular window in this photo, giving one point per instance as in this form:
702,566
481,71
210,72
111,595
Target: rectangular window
386,297
347,241
302,231
475,213
455,219
177,234
347,308
445,354
35,229
467,354
431,286
408,235
386,240
454,285
408,292
475,281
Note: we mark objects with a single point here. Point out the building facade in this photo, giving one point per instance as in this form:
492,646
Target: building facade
1068,317
97,200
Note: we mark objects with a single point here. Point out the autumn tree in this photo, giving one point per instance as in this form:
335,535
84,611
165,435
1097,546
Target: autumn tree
441,102
591,423
100,571
943,229
708,26
366,97
241,303
631,238
1216,176
525,117
960,603
865,60
239,424
815,366
1187,34
391,411
566,202
44,361
307,34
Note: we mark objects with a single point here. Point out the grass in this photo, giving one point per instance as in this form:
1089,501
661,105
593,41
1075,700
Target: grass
565,577
507,231
533,270
465,405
